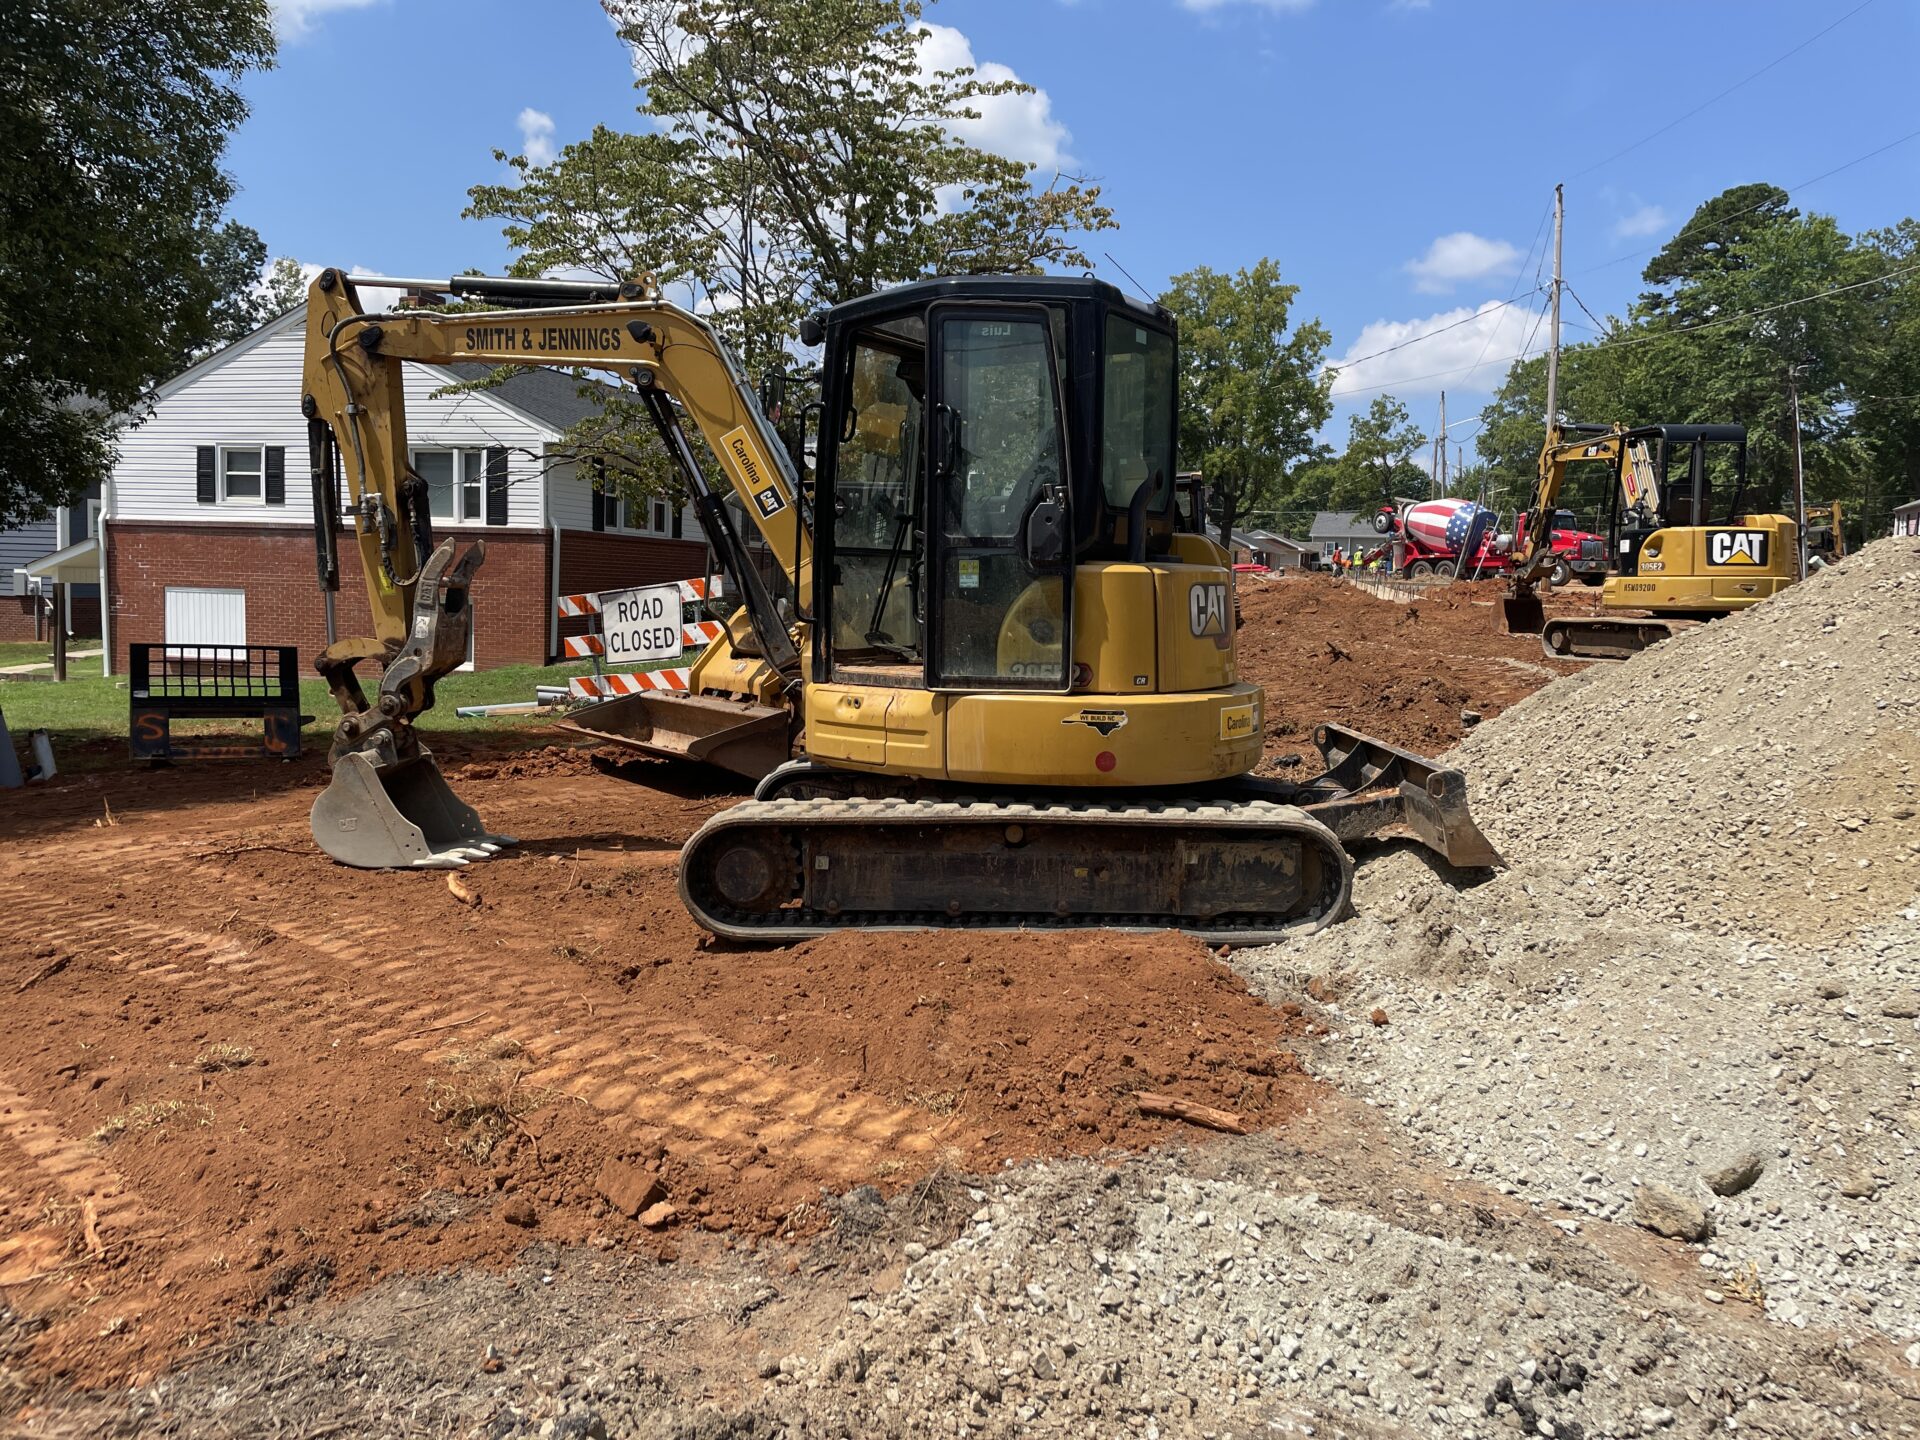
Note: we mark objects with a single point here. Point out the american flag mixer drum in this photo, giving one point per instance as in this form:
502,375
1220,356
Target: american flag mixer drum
1443,524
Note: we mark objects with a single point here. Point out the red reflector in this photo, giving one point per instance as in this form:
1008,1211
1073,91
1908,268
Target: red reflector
1104,761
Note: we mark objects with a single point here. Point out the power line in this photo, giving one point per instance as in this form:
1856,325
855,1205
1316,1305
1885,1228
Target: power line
1598,327
1646,339
1429,334
1760,205
1715,99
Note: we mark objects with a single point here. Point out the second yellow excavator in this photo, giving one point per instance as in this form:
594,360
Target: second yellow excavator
1670,562
1014,670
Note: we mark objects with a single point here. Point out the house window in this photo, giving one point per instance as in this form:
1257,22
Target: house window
633,515
242,474
456,483
659,517
93,520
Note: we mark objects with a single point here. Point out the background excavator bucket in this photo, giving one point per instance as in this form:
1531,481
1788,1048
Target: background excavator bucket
1525,614
749,740
400,817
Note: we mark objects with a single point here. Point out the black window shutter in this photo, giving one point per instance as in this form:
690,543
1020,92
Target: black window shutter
599,500
496,485
205,475
276,474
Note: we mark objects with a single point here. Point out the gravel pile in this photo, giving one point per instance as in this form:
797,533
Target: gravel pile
1691,1001
1200,1294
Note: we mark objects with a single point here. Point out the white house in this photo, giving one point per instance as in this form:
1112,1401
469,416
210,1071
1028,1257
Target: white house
207,523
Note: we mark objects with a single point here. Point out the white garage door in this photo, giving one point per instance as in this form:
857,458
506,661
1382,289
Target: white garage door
206,617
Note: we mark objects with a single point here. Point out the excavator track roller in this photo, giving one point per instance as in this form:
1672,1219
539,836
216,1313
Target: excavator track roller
1245,873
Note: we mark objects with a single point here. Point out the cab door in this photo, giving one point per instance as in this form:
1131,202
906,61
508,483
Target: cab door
998,522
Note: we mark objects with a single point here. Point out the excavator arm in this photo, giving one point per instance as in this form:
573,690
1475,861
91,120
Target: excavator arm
388,805
1533,557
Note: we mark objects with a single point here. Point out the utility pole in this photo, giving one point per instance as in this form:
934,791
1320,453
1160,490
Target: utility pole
1799,473
1553,352
1442,476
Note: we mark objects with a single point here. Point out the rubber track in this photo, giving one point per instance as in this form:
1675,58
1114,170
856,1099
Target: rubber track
792,817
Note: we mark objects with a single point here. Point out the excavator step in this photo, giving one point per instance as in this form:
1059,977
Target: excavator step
789,869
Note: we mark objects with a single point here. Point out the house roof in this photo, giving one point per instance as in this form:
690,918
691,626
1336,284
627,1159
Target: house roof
553,397
78,564
1339,525
548,398
1253,539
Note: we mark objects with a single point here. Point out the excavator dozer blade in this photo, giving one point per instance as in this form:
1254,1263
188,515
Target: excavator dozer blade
1525,614
1370,786
402,817
749,740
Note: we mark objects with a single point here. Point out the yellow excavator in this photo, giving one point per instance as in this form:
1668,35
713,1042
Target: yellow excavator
1670,562
1011,665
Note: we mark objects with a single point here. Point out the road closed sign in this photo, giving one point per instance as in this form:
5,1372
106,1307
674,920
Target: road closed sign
641,625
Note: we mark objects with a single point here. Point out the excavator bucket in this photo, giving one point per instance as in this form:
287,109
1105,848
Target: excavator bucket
1525,614
401,817
1370,786
749,740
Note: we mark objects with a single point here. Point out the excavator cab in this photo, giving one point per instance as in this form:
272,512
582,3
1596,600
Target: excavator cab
984,440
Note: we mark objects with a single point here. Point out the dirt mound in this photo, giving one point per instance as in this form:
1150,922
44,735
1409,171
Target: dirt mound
1326,651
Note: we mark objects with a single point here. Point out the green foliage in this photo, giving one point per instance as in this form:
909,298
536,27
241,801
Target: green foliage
1252,391
1378,464
114,267
793,154
283,288
1736,322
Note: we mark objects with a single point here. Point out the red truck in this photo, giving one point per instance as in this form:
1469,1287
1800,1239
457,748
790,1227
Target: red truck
1575,551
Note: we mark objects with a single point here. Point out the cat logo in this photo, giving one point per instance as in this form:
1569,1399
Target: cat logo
1737,547
1207,609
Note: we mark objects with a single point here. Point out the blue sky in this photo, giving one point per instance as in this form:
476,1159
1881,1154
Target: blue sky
1397,157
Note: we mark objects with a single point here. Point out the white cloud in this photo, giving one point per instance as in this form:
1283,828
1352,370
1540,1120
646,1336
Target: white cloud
295,19
1647,220
1460,256
1019,127
1472,354
1205,7
536,136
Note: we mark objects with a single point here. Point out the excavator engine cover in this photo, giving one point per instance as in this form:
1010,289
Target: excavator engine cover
398,817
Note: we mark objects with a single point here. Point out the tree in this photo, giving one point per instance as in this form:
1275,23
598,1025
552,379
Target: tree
114,266
1253,392
1378,463
796,153
284,287
1753,300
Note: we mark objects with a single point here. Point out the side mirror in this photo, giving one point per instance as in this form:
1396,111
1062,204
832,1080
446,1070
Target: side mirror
812,332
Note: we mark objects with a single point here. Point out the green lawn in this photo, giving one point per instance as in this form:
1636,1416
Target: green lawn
38,652
94,707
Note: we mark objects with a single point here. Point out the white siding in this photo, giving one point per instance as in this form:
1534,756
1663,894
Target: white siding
206,616
570,504
569,499
250,395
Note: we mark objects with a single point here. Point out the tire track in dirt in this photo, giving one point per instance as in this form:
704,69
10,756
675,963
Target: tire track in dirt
641,1075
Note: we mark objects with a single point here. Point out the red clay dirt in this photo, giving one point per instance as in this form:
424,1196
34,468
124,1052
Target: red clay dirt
258,1076
1328,651
241,1075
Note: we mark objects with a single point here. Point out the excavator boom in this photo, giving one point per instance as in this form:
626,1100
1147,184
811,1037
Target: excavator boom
388,805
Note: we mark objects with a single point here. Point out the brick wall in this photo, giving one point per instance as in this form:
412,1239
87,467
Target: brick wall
274,565
592,560
16,617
